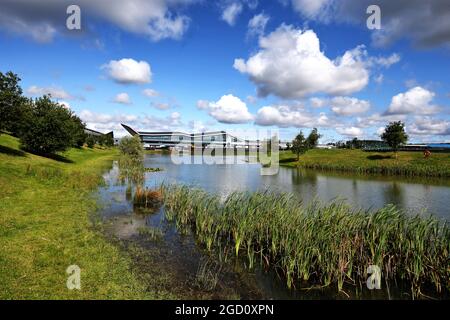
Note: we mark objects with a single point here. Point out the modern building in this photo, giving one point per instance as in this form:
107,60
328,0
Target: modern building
97,133
214,139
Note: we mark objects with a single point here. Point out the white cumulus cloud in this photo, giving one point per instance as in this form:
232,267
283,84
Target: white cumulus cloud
128,71
286,116
346,106
41,20
122,98
414,101
55,92
231,12
228,109
400,18
430,126
150,93
309,8
350,132
290,64
257,24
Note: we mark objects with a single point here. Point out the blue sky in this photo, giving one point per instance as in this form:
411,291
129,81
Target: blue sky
238,64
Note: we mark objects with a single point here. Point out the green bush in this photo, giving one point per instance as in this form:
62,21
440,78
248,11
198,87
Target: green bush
90,141
132,147
49,127
77,129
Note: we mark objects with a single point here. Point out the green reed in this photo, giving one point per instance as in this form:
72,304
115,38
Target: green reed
402,170
329,244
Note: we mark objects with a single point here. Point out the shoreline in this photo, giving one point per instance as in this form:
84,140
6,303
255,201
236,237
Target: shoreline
408,164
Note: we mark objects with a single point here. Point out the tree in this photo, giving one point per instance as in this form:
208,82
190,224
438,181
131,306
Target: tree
90,141
299,145
288,146
109,140
12,103
77,131
48,127
132,147
313,138
394,135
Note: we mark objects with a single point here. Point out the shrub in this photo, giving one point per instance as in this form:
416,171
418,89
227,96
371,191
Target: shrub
132,147
77,131
48,128
90,141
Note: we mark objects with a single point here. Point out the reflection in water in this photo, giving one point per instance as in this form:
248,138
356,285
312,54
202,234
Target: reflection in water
181,254
369,192
393,193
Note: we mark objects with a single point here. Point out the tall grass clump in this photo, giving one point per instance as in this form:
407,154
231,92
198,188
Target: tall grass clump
131,161
410,170
147,198
323,244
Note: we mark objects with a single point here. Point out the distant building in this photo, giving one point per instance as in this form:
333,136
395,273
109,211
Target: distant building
97,133
435,147
326,146
214,139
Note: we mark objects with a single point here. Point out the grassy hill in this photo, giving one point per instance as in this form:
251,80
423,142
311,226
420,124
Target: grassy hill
358,161
45,226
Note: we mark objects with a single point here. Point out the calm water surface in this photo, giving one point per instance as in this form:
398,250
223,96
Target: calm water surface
182,255
415,195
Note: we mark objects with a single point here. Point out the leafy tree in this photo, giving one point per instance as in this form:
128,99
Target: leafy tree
299,145
90,141
109,140
288,146
48,127
313,138
394,135
77,132
12,103
132,147
101,140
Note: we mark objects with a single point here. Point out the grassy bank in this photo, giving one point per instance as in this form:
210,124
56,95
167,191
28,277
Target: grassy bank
358,161
325,245
45,226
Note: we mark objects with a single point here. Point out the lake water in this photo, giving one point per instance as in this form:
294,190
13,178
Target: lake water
180,256
415,195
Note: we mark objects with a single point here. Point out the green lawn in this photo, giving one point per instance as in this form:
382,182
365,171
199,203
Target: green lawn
408,163
46,206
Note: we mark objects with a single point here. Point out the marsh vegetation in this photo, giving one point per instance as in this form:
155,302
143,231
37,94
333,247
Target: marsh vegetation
383,163
325,245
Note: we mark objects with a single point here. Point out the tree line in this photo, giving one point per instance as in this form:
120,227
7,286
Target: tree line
42,125
394,136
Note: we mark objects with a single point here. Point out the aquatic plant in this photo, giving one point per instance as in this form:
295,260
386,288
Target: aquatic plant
330,244
131,170
152,169
147,198
207,275
153,233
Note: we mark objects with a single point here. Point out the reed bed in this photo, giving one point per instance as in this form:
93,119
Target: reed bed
408,171
327,245
410,164
131,170
147,198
